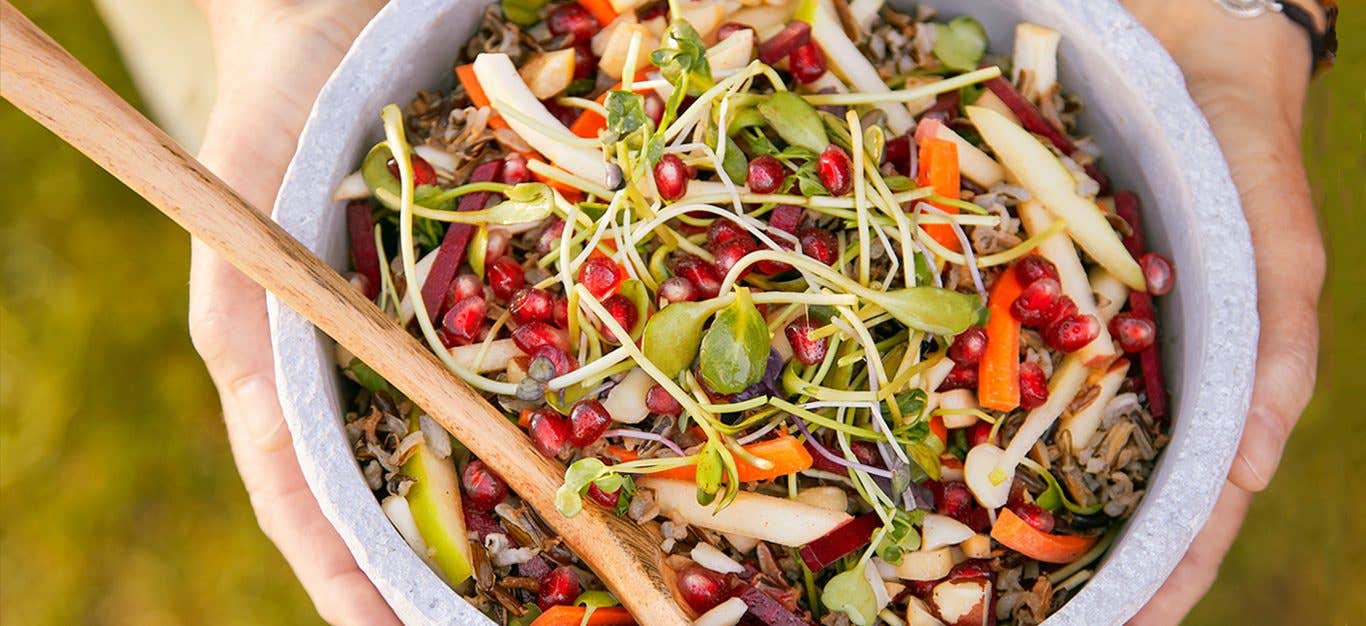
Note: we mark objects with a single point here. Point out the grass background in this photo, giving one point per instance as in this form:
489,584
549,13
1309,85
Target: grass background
118,498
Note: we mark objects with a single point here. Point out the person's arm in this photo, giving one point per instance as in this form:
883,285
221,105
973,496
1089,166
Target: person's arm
272,58
1249,76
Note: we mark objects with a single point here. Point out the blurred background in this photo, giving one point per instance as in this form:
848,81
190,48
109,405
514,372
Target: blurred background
119,502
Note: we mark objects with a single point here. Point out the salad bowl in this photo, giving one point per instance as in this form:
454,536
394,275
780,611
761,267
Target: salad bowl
1137,111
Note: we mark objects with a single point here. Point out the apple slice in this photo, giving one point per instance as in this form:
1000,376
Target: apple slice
1110,293
626,401
1040,171
840,542
765,19
508,94
705,17
496,359
942,531
549,73
1036,52
918,613
963,602
848,62
613,61
434,500
1075,283
732,53
775,520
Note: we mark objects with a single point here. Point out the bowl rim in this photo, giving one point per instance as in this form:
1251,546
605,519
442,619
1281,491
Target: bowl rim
1185,485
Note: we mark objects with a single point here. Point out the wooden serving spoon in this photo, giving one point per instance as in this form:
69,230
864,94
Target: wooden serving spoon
47,83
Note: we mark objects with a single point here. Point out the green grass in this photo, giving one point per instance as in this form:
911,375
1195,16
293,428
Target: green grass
119,502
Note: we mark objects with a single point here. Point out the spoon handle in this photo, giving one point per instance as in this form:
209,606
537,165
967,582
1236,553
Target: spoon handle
47,83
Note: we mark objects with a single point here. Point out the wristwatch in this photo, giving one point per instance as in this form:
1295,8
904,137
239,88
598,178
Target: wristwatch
1323,43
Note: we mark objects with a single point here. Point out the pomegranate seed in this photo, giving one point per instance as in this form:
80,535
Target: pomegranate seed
1033,386
1063,309
561,360
730,28
703,275
730,253
836,170
1033,267
977,519
654,107
969,346
805,349
898,153
622,310
464,286
514,170
587,421
505,276
448,340
980,434
1036,302
677,289
561,312
549,432
971,568
532,305
1034,515
819,244
1159,273
960,377
601,276
602,498
1133,333
765,174
561,586
955,500
786,217
572,19
796,34
1072,333
550,237
723,230
484,488
498,245
423,174
807,63
530,337
671,177
464,319
660,401
585,64
701,588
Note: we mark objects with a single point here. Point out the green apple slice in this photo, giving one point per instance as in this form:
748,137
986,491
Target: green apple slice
434,500
848,62
1040,171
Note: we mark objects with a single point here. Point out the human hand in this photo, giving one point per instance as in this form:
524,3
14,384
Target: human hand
1253,99
272,58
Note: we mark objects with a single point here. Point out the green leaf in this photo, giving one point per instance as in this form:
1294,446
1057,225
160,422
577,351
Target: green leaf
1054,497
681,52
932,309
735,164
374,170
523,12
596,598
744,118
526,202
710,472
532,612
569,497
628,491
366,377
734,351
625,112
672,335
639,295
795,120
901,536
850,593
926,453
580,87
961,43
912,404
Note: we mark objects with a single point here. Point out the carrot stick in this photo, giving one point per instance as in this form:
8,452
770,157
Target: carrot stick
573,616
1018,535
939,171
601,9
998,373
476,93
939,429
787,454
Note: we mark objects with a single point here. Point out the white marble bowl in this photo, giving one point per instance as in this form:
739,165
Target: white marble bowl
1155,141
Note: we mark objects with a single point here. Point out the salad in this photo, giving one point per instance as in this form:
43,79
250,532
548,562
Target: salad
841,301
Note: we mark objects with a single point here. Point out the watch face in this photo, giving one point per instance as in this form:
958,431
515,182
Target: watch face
1248,8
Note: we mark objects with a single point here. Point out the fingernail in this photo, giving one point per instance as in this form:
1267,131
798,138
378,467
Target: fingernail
258,408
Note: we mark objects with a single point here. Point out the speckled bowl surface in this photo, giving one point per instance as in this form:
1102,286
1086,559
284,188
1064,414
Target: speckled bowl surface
1155,142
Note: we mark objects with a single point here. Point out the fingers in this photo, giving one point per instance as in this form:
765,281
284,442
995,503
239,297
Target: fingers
1198,568
1290,272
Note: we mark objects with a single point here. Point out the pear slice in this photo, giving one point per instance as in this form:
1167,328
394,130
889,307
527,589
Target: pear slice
434,500
1040,171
